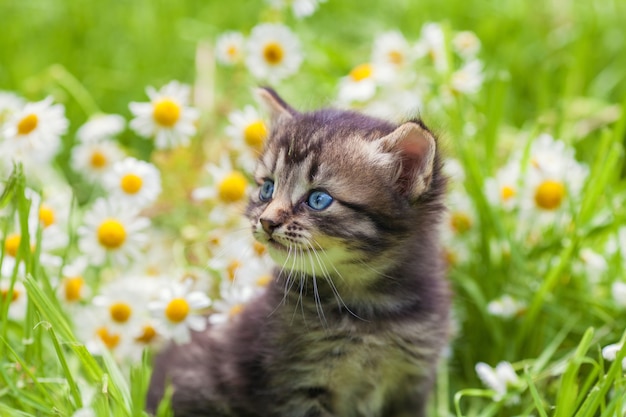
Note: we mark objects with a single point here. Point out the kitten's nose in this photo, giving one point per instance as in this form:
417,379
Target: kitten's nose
269,225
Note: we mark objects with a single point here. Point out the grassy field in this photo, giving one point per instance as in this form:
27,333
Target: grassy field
528,99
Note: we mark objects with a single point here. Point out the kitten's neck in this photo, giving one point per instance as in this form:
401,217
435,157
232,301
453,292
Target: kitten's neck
382,286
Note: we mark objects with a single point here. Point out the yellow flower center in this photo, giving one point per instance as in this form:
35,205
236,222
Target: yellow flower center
232,269
264,280
255,133
27,124
98,160
273,53
396,57
361,72
120,312
110,340
166,112
46,215
259,248
549,195
232,188
111,234
177,310
450,257
73,287
12,244
4,294
234,310
507,192
460,222
147,335
232,51
131,183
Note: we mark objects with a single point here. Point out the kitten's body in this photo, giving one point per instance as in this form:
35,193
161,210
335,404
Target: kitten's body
355,320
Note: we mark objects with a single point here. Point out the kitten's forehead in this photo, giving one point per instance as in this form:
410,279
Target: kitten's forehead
309,138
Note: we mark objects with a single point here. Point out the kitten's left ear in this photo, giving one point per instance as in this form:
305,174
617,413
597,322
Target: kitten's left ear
416,148
274,104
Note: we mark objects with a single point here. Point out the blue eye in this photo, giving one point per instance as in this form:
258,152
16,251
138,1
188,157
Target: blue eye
267,190
319,200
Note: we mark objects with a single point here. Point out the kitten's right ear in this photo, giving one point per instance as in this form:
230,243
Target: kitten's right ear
276,106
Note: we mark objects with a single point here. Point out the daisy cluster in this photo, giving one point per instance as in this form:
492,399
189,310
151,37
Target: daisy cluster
271,52
401,76
108,265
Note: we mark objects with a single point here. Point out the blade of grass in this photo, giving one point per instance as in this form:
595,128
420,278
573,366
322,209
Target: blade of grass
534,394
590,406
26,369
74,391
602,170
568,390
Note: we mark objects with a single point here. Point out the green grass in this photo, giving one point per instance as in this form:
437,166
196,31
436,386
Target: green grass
555,67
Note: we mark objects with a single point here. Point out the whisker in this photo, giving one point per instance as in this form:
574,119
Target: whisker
318,301
330,280
287,281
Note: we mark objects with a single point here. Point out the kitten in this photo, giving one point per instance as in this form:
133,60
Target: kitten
357,314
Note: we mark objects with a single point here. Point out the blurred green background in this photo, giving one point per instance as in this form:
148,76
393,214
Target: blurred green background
555,48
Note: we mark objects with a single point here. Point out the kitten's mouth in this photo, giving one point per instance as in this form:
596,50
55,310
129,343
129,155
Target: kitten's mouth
276,244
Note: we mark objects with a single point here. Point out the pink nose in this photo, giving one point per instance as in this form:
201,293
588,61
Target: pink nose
269,225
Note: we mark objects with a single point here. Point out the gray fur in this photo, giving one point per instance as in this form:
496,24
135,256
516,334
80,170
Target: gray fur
355,321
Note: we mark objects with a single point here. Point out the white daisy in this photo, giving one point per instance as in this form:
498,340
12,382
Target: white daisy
12,242
500,379
95,159
610,352
504,189
167,117
553,179
229,49
16,298
34,132
124,302
459,226
468,79
135,182
101,127
178,310
247,129
432,44
506,307
231,303
466,44
227,187
273,52
393,50
50,212
241,262
98,335
112,231
9,104
360,84
72,287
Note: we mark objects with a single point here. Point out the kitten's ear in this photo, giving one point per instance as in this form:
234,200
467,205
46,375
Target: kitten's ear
416,148
276,106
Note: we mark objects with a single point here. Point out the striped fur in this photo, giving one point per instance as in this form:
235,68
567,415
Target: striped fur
357,314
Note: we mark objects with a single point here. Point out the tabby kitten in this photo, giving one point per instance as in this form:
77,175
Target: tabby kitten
357,314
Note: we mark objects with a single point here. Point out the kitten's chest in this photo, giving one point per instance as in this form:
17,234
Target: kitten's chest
363,372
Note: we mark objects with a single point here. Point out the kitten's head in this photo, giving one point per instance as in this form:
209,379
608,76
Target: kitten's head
338,190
